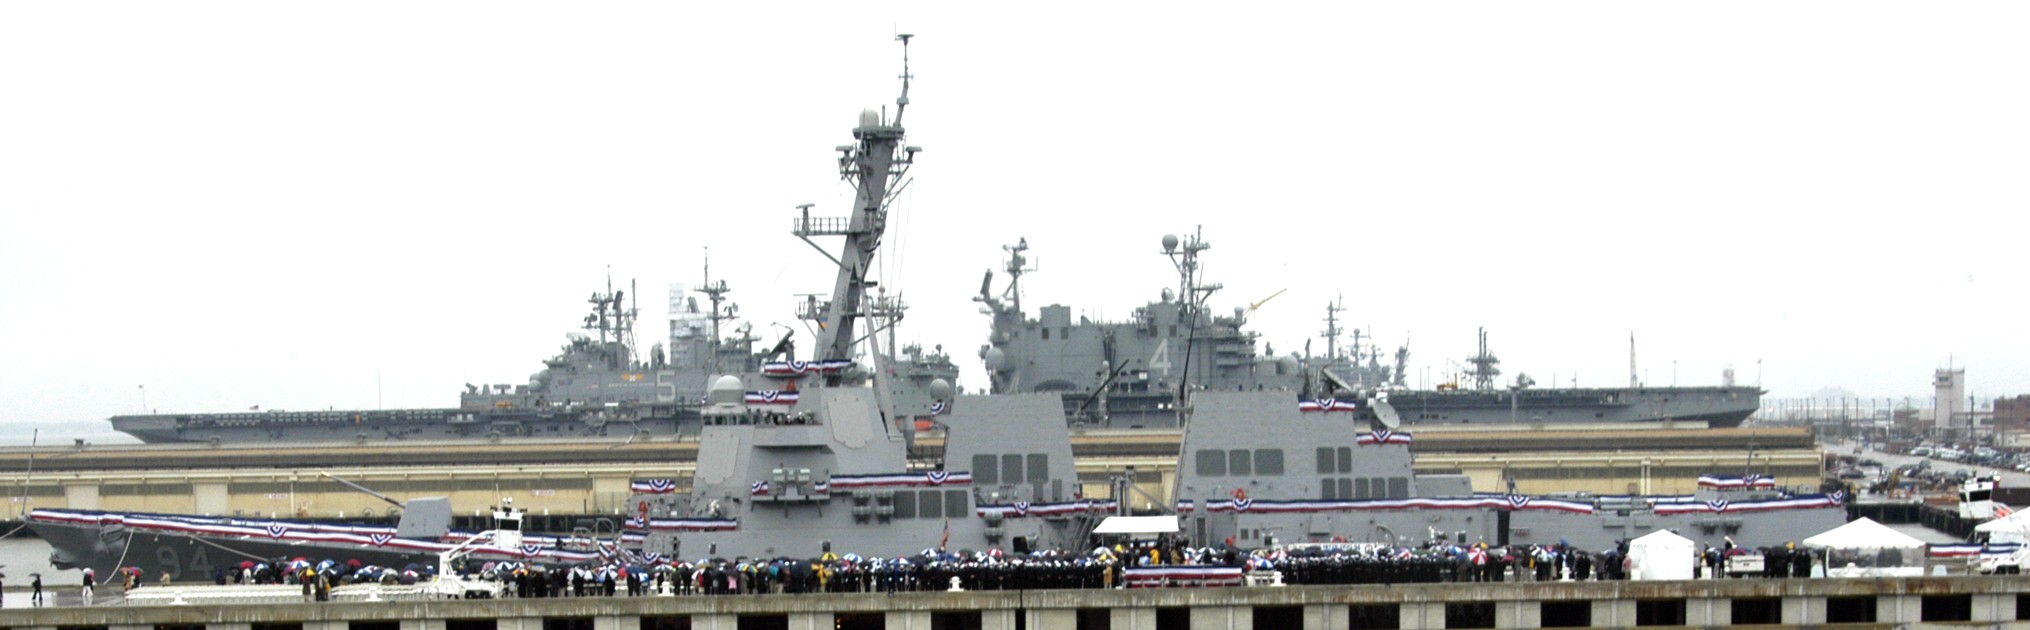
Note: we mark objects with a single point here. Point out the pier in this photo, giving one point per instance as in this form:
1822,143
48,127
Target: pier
1958,601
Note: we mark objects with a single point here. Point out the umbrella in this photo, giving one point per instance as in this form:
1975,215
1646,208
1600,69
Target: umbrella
246,564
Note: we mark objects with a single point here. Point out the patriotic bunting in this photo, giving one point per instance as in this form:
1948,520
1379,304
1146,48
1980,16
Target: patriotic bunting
904,480
1020,509
1382,436
1731,482
797,369
653,486
772,397
1326,404
1723,506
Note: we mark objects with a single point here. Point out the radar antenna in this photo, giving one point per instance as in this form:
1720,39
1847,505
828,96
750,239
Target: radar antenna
1484,369
902,102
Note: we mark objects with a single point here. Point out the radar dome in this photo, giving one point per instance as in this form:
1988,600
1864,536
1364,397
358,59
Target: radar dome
1286,365
870,118
997,361
1169,243
727,390
940,389
1168,295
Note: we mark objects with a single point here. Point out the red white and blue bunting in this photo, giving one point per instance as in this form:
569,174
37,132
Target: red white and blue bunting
1974,550
1731,482
1481,502
653,486
1382,436
904,480
1326,404
1144,577
760,488
693,524
797,369
1020,509
772,397
1723,506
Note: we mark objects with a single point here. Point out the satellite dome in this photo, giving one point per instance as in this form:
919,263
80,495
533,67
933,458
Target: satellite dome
727,390
1169,243
1286,365
997,361
870,118
1168,296
940,389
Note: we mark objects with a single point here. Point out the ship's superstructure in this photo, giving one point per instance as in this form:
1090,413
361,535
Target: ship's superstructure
810,457
1268,467
1131,373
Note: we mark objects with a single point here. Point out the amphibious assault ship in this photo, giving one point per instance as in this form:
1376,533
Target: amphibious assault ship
1132,373
594,387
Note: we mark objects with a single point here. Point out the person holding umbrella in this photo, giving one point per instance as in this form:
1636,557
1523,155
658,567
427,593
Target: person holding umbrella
36,595
87,592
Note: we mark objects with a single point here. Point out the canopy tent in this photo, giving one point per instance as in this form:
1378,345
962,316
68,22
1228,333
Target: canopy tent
1138,525
2014,528
1865,548
1662,555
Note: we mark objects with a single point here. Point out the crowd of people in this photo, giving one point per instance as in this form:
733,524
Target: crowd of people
936,569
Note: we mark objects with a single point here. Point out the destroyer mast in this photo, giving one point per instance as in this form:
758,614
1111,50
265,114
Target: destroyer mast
876,168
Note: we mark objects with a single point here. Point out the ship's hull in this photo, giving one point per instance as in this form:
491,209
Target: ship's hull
194,547
388,425
1715,407
195,557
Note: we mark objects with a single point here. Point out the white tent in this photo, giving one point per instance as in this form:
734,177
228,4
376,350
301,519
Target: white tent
1137,525
2014,528
1661,555
1865,548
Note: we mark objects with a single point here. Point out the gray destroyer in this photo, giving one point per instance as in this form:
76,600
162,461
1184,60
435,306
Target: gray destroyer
804,462
1133,373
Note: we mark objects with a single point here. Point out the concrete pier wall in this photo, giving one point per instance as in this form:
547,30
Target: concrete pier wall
1954,601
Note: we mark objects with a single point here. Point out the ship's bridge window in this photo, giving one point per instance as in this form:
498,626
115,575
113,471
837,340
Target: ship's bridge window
1211,462
955,504
1269,461
1240,462
1039,469
984,470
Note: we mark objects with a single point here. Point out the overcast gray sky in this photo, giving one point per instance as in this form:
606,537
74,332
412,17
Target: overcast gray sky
361,204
